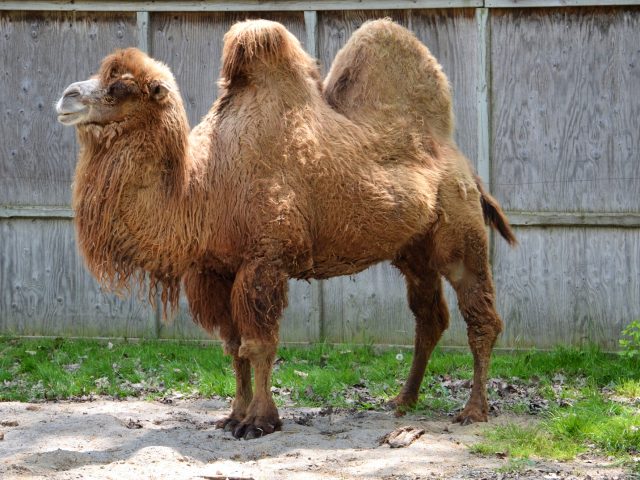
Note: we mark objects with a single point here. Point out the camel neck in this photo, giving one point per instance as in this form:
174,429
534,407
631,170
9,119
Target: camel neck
135,202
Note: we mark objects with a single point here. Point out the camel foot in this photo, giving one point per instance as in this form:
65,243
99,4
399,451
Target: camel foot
256,427
470,415
402,404
228,423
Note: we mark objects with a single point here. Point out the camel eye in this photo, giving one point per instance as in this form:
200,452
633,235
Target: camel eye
119,90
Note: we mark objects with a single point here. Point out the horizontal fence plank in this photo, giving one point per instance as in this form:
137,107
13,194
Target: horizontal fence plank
234,6
40,211
559,219
284,5
556,3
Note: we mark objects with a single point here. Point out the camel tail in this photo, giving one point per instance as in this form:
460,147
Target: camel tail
494,216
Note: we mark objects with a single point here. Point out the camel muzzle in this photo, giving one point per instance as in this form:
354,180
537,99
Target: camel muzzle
72,107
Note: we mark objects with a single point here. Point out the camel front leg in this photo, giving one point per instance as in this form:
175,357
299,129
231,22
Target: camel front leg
258,298
209,296
244,392
261,417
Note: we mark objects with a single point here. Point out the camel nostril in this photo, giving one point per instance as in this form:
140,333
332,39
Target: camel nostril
72,94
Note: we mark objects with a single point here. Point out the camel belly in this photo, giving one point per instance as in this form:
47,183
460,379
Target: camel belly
364,223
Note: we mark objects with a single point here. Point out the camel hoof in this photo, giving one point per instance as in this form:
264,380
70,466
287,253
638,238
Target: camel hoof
228,424
253,432
249,430
467,417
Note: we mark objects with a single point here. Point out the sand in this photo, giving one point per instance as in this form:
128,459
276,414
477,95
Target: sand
135,439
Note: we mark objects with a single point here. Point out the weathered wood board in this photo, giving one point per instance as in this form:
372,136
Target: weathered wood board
372,307
566,115
568,286
46,290
40,54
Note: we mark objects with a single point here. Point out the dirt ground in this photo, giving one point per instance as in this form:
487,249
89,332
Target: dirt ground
106,439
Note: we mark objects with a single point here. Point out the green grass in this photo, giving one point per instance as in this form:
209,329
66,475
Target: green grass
58,369
592,397
597,407
611,428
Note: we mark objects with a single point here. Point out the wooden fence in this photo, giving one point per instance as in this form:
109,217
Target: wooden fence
547,101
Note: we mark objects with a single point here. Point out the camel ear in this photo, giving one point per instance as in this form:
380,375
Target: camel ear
158,90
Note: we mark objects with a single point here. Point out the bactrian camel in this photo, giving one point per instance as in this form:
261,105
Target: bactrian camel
285,177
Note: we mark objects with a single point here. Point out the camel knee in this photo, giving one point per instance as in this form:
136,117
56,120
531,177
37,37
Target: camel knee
256,350
476,301
430,311
231,347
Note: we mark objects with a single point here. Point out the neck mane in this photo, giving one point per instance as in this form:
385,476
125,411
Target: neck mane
136,195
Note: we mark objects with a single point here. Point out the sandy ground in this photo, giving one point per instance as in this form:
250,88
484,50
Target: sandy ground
107,439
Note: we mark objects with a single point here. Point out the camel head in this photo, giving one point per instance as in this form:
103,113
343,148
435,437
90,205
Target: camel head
133,135
128,86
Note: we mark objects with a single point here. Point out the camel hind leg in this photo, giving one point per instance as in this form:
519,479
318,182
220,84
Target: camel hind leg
427,302
471,278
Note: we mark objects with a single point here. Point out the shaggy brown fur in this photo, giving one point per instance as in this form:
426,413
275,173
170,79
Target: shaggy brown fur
274,184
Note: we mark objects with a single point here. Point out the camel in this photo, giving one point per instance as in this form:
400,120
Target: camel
285,177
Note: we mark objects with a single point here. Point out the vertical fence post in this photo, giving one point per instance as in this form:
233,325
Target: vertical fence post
142,23
483,94
311,29
483,103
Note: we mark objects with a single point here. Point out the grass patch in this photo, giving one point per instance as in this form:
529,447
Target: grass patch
516,465
61,369
629,389
614,428
566,432
32,369
593,423
582,387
